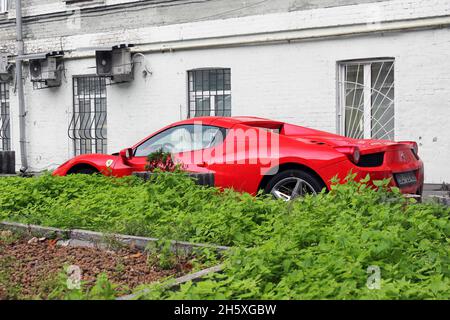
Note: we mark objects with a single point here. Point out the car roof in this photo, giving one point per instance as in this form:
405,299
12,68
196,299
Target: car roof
225,122
228,121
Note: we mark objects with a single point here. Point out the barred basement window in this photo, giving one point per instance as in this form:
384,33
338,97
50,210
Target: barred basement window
367,99
5,134
88,128
209,92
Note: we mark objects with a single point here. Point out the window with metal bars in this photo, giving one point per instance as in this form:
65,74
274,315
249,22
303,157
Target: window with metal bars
5,131
88,127
209,92
367,99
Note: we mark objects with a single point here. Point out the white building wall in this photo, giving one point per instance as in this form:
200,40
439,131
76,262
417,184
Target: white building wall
290,82
293,81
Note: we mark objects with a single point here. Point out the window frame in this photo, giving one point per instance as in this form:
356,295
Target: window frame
94,136
367,94
211,94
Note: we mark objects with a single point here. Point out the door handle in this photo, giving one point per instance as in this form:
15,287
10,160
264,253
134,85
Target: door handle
202,164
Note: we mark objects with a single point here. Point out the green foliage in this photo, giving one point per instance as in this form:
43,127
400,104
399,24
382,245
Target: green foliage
324,246
169,206
161,160
8,289
313,248
103,289
161,255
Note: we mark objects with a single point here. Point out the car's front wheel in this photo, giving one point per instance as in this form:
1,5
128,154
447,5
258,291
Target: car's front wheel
290,184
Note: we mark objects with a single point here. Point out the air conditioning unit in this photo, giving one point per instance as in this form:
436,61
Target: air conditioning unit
104,63
115,63
46,70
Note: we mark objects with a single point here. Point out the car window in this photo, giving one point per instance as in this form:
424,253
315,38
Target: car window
182,139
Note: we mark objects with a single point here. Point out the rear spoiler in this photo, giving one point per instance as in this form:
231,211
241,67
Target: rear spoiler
413,145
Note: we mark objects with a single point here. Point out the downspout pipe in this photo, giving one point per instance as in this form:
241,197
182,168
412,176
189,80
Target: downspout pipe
20,92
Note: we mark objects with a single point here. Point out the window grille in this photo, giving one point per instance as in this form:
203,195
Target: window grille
367,99
209,92
5,134
88,127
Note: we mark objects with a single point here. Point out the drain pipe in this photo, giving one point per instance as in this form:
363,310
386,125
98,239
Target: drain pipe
20,93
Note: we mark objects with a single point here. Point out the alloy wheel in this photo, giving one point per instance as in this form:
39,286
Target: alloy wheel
292,187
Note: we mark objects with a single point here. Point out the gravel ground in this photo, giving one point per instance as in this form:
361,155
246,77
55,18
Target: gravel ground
26,269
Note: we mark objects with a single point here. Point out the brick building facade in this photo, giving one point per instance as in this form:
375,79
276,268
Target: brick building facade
362,68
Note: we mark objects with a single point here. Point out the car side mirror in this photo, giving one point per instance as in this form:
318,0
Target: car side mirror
126,154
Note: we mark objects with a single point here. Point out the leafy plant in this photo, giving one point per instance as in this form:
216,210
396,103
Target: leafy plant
103,289
160,160
313,248
161,255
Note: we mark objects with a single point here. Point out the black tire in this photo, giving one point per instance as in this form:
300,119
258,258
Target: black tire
313,182
86,171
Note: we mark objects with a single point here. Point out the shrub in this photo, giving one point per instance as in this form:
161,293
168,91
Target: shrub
323,248
169,206
160,160
313,248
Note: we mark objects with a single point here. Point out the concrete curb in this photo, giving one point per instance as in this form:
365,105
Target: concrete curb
444,200
102,239
194,277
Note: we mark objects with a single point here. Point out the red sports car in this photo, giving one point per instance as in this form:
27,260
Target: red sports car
251,154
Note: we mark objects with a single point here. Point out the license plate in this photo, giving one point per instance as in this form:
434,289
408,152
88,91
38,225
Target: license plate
405,179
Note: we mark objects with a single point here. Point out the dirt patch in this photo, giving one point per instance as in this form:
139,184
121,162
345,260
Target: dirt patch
28,268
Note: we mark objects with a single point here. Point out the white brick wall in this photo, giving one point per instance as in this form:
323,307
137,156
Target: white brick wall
293,82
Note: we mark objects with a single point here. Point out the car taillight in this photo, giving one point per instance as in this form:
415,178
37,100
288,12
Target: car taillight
352,152
414,147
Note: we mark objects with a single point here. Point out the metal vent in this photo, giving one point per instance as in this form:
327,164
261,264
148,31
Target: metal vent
371,160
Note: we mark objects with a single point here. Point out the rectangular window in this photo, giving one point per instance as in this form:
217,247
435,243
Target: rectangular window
5,134
367,99
88,128
3,6
209,92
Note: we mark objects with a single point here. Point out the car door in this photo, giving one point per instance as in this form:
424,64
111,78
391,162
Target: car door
247,153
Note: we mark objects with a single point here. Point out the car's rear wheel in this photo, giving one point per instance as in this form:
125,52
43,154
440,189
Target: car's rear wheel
290,184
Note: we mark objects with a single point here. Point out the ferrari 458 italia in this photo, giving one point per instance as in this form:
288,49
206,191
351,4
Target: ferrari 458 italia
250,154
